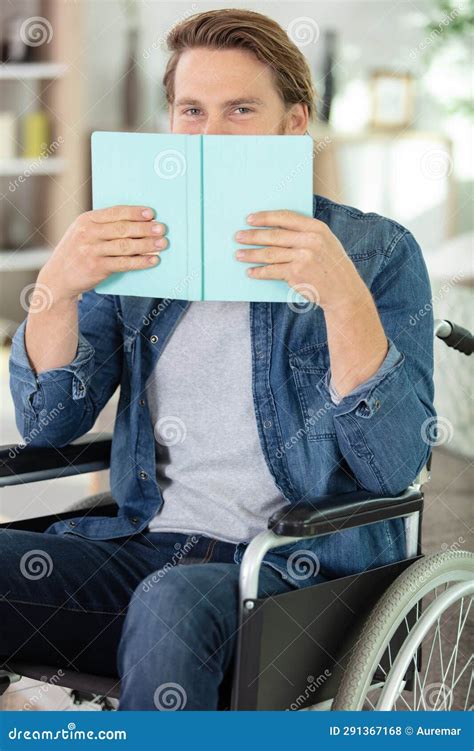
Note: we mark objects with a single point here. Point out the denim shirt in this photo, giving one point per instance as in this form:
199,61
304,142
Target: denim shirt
374,438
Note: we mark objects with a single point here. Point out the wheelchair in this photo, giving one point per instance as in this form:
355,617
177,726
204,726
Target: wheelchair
369,641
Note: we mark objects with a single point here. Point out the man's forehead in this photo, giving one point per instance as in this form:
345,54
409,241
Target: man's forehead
213,66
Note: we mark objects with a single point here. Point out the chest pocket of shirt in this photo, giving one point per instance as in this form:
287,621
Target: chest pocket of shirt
309,367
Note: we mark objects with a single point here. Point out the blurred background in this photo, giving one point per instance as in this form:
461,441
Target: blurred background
394,135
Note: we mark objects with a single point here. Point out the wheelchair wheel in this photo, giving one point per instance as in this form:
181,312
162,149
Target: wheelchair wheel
442,678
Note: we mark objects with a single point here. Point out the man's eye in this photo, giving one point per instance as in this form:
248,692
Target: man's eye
191,110
247,109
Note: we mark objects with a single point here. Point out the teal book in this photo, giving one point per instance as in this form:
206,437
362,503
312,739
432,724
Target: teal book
202,188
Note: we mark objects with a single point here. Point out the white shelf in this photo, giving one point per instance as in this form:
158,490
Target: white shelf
48,165
23,259
28,71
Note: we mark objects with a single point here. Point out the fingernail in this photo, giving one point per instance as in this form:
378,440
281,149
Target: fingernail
153,259
159,243
251,218
240,236
240,254
157,228
147,213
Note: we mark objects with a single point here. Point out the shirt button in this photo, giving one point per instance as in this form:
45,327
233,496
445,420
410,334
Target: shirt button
153,338
72,524
143,475
377,404
134,520
142,402
267,424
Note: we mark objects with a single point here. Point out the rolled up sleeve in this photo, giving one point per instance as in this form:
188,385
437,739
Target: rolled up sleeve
385,425
58,405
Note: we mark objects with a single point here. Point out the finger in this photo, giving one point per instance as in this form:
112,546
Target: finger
285,219
270,254
117,213
281,237
125,228
273,271
129,263
128,247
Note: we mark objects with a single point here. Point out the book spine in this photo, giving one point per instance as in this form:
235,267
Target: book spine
194,217
202,194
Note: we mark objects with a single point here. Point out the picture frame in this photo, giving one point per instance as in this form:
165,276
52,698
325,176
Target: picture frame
391,99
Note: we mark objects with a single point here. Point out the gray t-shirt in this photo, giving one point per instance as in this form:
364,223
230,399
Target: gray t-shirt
210,465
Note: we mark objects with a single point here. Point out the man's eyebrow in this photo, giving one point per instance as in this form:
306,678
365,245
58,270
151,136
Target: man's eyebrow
229,103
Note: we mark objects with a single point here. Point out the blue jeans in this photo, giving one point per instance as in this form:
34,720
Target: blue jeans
159,609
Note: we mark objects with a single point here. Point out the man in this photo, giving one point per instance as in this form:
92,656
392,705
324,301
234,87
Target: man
227,412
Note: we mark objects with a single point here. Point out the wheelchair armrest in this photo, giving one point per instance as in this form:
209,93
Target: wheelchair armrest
89,453
330,513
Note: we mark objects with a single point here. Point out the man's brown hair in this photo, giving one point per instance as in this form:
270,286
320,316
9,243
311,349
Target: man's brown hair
247,30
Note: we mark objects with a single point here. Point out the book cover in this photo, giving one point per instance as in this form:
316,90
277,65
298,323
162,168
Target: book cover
202,188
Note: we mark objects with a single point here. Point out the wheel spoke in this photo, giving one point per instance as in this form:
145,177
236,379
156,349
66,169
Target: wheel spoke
454,654
422,687
462,673
468,693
